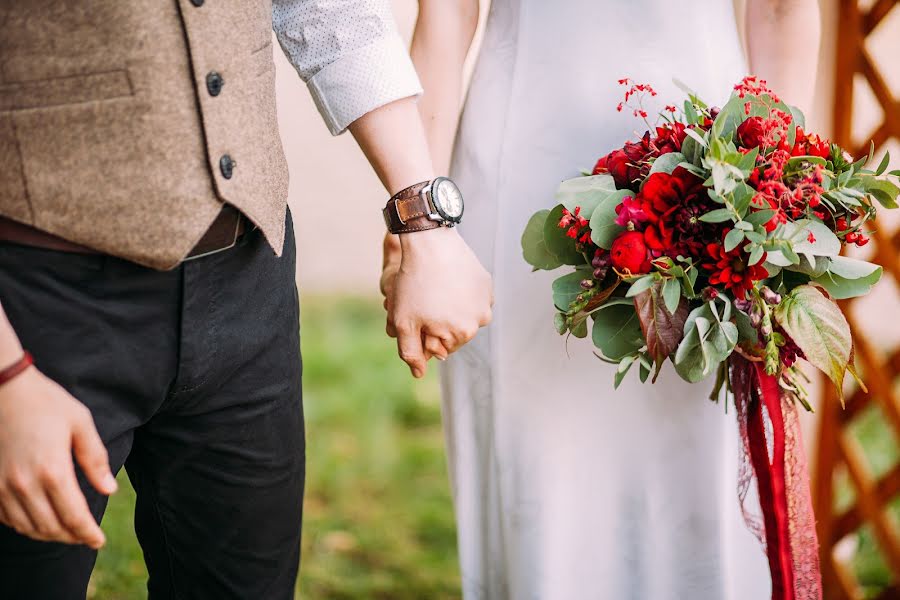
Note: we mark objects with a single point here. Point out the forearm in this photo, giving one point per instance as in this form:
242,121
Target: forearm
783,45
442,38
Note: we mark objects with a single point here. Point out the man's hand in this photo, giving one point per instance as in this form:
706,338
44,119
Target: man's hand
41,427
441,296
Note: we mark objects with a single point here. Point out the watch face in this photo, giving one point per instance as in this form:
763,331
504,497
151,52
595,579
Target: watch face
448,199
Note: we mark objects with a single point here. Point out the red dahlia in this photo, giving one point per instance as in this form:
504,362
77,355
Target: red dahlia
673,204
730,269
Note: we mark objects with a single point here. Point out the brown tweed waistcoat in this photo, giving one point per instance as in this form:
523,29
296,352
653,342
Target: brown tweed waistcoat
124,126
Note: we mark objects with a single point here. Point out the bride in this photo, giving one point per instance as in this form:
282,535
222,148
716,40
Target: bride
565,490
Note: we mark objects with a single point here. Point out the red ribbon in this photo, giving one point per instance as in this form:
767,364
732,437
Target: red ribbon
772,445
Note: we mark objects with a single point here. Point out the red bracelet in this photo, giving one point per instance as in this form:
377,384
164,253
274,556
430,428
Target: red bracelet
16,368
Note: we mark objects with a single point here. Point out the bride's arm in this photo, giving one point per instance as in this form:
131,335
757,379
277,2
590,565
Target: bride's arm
441,40
783,44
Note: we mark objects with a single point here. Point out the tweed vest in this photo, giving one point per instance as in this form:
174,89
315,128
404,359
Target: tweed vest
124,126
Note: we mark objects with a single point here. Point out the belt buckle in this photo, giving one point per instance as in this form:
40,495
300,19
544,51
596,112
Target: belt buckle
234,241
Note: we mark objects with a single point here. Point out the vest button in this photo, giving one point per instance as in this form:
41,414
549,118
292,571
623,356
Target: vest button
197,2
227,165
214,83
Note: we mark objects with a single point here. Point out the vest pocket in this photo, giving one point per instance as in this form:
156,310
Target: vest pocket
13,196
59,91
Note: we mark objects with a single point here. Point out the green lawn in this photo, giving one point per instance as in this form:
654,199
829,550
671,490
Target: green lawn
378,519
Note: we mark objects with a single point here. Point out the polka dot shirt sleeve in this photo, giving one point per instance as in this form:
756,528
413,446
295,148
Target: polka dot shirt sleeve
348,52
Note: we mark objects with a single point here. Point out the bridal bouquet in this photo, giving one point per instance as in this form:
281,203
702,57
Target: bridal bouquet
714,242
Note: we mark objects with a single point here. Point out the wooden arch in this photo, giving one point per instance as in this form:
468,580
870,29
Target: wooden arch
839,451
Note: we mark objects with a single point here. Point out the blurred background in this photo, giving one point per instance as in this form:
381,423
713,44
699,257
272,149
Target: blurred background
378,520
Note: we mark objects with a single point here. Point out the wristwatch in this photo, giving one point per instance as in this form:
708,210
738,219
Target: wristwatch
426,205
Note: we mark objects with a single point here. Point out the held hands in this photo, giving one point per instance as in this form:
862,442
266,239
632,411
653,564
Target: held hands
41,426
437,295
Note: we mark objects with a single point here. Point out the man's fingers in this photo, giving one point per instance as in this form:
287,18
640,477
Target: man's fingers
46,525
91,454
409,346
435,347
14,514
72,510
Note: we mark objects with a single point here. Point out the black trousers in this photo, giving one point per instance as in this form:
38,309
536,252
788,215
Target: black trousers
193,379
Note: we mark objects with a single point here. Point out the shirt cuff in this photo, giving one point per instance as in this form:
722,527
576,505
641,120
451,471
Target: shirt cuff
362,81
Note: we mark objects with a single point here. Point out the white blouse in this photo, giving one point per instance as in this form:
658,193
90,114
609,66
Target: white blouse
348,52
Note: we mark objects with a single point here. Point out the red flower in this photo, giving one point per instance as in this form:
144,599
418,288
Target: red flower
673,204
810,145
751,133
669,138
629,212
629,253
730,269
627,165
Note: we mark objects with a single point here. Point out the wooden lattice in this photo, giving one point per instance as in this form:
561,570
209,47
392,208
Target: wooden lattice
839,452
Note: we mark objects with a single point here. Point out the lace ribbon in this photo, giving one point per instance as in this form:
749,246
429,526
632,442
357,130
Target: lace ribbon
773,455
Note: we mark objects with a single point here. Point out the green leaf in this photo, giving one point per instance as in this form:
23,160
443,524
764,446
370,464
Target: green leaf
579,329
884,191
567,288
672,295
603,222
662,329
558,243
882,167
797,114
622,370
692,147
559,323
756,254
718,215
709,338
534,248
586,192
760,217
825,244
667,162
849,277
819,329
743,226
640,285
732,239
616,331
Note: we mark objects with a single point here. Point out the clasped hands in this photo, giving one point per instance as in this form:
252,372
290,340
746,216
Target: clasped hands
436,293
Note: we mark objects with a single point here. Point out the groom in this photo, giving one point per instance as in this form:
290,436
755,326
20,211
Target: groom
149,315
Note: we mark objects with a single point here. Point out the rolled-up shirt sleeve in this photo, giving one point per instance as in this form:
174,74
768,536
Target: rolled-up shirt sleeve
348,52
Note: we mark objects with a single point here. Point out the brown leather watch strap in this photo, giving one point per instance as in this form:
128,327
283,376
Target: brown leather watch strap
407,211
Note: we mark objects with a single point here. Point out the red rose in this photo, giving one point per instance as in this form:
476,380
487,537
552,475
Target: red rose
629,164
751,132
629,253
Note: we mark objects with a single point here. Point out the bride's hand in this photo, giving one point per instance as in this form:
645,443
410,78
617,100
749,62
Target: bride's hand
389,270
437,297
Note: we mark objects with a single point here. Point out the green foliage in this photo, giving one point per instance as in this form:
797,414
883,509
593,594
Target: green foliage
586,192
667,162
534,248
617,331
603,226
849,277
567,288
556,240
709,338
662,327
818,327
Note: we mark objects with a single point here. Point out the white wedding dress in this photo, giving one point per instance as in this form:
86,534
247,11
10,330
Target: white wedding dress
563,488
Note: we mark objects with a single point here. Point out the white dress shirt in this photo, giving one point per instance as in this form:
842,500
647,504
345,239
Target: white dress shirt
348,52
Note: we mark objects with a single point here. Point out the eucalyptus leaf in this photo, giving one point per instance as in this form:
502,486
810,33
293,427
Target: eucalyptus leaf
732,239
556,240
849,277
567,288
667,163
534,248
603,222
586,192
616,331
718,215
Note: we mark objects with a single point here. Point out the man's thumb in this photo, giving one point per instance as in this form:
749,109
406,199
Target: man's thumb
91,454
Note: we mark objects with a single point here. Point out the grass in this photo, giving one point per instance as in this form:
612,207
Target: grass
378,519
